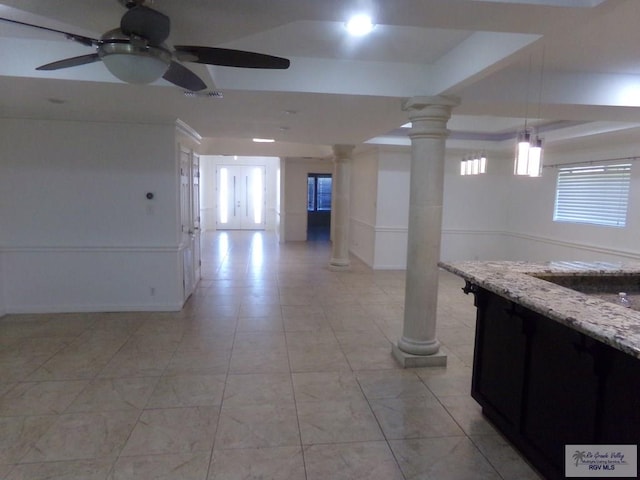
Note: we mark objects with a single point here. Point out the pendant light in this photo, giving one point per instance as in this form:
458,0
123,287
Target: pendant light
528,156
474,164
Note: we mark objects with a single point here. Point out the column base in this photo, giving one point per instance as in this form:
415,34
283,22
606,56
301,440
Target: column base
339,265
418,347
408,360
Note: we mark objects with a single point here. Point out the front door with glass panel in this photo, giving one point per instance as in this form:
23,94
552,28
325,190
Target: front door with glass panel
241,197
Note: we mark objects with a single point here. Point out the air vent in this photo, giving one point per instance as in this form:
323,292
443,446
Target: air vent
210,94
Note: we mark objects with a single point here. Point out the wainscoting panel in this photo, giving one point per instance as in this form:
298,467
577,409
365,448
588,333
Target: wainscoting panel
362,240
535,248
79,279
391,248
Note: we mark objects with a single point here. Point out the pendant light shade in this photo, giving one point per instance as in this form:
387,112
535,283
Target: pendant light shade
528,158
474,164
522,153
534,167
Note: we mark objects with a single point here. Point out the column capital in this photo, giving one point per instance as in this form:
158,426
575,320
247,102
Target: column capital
429,115
343,152
421,102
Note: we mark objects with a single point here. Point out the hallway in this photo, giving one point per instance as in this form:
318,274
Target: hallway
277,368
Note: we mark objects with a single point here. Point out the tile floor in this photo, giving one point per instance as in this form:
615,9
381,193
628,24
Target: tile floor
277,369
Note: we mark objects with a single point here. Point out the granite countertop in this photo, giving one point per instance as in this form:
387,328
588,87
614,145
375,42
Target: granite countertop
607,322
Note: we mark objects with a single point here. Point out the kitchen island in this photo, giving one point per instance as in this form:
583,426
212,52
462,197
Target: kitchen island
555,363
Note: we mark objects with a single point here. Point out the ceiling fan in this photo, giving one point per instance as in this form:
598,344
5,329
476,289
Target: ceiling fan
136,52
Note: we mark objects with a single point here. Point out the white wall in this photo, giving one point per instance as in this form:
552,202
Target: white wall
499,216
78,232
474,220
535,236
474,215
492,216
2,302
294,206
279,223
392,211
364,191
208,197
208,200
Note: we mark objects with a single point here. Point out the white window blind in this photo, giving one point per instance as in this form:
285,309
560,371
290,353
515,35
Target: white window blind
596,194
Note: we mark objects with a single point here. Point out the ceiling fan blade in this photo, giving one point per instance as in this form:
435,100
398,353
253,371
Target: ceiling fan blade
229,58
147,23
71,62
89,42
183,77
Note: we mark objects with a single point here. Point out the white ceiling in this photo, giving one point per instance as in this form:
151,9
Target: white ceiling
572,65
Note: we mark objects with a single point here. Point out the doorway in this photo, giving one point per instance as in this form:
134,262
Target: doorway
190,219
319,188
241,201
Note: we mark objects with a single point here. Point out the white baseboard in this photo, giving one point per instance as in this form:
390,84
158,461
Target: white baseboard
38,309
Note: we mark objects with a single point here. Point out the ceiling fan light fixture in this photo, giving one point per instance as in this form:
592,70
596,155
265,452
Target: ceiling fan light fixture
134,63
135,68
136,53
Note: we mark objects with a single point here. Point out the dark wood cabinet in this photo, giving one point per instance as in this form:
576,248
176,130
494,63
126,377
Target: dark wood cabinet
545,385
497,380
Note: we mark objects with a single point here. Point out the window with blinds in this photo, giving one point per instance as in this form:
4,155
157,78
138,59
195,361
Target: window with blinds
595,194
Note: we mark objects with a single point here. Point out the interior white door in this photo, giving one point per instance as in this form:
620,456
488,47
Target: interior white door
186,220
241,197
195,214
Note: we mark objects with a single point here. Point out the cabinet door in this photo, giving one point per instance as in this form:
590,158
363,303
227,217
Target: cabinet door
620,408
499,360
561,395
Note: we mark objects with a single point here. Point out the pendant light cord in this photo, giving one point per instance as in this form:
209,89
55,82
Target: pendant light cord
541,79
526,97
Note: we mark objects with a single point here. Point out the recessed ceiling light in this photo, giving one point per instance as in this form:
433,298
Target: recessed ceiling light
359,25
264,140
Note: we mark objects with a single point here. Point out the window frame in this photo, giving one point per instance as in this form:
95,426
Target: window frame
314,178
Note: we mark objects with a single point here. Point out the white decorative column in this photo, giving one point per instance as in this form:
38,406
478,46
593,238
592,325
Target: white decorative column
418,346
340,214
